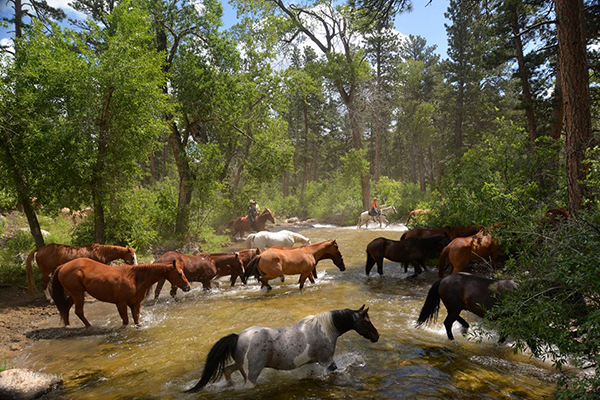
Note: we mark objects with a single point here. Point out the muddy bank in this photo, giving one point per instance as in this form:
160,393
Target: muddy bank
20,314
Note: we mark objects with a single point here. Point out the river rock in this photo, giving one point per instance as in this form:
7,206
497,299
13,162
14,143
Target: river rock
20,384
293,220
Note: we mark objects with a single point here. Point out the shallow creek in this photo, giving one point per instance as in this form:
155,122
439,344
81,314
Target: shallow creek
166,354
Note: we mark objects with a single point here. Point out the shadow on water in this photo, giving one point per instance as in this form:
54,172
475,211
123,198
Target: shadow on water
64,333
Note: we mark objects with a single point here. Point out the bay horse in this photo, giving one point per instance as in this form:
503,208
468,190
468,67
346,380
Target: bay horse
50,256
124,285
464,249
274,263
413,250
452,232
203,268
242,224
459,292
383,212
311,340
266,239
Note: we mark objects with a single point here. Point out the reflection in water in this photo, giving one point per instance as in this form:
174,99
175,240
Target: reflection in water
166,354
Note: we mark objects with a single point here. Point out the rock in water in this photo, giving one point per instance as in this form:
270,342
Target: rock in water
20,384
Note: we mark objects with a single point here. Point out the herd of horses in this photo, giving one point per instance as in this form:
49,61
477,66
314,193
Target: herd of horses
77,270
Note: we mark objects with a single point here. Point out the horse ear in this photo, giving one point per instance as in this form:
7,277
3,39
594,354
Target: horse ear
257,250
362,308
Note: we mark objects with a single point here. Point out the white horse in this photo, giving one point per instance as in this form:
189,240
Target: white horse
266,239
311,340
365,217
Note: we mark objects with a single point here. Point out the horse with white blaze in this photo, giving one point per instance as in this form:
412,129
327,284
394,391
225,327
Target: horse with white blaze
311,340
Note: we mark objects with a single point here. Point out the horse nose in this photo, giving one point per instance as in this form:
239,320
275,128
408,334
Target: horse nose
375,339
186,288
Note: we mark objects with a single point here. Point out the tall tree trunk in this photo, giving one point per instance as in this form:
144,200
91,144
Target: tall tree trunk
315,162
524,77
431,165
305,153
458,128
22,195
99,223
353,114
285,185
186,180
422,171
378,116
572,59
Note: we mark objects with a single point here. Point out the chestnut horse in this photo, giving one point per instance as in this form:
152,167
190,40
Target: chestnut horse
203,268
473,248
274,263
124,285
452,233
242,224
50,256
459,292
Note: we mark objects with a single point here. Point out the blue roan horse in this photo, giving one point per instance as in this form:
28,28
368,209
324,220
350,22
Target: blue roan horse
311,340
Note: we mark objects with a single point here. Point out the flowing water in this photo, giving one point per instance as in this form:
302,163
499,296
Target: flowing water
166,354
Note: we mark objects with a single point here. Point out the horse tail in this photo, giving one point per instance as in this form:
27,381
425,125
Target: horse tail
29,268
443,261
252,269
222,351
60,299
431,307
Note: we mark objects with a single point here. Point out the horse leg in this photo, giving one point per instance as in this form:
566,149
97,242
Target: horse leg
173,292
122,307
302,280
135,312
310,277
159,286
265,282
448,324
228,371
78,300
379,265
282,277
465,325
46,287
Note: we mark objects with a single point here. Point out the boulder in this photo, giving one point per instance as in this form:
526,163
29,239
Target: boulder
44,232
20,384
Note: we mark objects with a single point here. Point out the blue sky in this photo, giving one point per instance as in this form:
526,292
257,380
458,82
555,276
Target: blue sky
426,21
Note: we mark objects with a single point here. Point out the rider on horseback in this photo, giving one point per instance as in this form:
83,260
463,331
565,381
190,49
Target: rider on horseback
374,212
253,210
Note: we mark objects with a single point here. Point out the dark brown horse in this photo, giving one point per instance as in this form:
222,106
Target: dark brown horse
229,264
199,268
50,256
124,285
452,232
459,292
242,224
413,250
473,248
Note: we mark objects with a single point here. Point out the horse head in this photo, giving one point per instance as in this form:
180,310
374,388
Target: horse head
177,278
129,256
336,256
241,267
363,325
269,215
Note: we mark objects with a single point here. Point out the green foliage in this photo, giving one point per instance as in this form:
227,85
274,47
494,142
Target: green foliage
492,182
404,196
556,310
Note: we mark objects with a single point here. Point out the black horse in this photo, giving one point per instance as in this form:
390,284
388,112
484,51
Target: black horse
412,250
459,292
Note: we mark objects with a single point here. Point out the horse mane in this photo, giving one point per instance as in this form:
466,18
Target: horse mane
343,320
324,320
